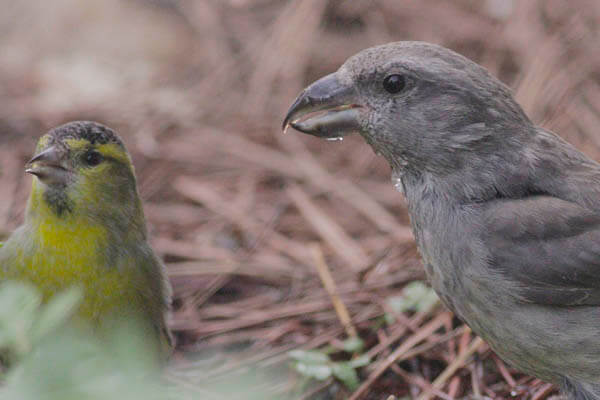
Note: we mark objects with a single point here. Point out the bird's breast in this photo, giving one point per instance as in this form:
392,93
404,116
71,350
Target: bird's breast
55,257
453,257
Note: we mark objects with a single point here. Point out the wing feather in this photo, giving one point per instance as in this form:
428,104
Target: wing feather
549,246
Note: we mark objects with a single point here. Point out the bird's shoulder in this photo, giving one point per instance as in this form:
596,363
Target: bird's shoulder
560,170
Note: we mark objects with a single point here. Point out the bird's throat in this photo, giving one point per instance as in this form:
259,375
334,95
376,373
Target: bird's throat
49,199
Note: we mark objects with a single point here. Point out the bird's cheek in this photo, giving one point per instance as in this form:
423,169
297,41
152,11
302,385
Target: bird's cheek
85,192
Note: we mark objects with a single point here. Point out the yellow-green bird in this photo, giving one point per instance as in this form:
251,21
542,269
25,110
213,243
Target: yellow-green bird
85,227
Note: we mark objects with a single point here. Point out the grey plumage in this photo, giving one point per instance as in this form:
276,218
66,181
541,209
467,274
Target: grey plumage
506,214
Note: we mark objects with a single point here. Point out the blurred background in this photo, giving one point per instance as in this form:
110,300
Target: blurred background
251,222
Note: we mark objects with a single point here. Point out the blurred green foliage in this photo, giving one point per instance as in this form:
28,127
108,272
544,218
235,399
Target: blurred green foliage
24,321
46,354
49,358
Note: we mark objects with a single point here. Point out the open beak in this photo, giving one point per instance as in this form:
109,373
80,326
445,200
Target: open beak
329,108
49,166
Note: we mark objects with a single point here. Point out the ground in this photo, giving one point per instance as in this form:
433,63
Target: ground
252,222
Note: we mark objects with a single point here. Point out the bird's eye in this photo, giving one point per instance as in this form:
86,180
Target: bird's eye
93,158
394,83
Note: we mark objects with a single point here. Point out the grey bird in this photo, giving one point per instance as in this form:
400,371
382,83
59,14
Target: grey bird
506,214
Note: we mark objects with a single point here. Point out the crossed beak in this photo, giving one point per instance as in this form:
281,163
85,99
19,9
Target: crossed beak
49,166
330,108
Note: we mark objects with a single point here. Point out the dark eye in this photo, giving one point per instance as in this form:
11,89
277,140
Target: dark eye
394,83
92,158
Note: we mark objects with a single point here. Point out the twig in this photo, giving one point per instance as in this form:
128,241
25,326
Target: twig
457,363
408,344
310,393
346,248
396,334
454,387
545,390
329,284
419,381
197,191
504,371
430,345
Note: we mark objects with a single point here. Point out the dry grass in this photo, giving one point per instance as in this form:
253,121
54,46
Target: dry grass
198,90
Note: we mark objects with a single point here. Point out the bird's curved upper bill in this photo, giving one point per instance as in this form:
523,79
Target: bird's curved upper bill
49,166
326,109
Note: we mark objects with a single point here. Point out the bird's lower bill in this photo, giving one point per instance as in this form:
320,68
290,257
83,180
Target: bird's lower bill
331,124
49,174
327,109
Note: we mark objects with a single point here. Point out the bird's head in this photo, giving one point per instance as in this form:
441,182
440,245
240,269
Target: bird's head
82,168
418,104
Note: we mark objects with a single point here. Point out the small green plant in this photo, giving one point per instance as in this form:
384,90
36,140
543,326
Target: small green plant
319,365
416,296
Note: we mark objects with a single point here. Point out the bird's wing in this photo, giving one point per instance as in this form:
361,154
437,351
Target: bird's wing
549,247
157,294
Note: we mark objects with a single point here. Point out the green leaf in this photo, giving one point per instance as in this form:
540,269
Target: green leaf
329,349
346,373
318,371
19,303
309,356
18,298
416,296
56,312
361,361
353,344
389,318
